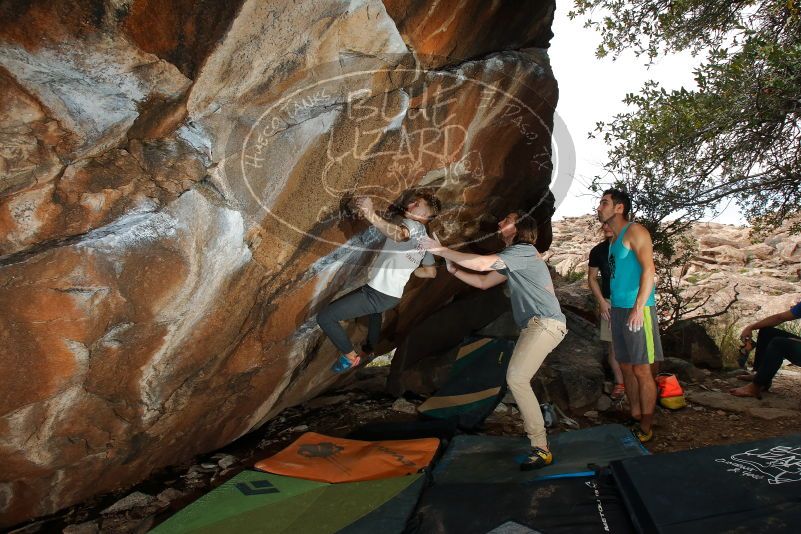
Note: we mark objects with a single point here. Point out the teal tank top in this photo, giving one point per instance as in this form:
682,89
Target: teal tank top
625,271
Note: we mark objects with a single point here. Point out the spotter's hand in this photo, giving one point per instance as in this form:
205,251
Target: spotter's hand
604,310
450,266
432,244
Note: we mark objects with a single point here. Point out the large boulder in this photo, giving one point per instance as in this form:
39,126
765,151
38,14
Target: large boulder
690,341
577,298
171,178
433,32
727,255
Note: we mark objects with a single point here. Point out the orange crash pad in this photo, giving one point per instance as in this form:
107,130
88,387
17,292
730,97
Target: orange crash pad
327,459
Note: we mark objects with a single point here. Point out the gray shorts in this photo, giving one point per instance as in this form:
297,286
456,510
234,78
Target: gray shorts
636,348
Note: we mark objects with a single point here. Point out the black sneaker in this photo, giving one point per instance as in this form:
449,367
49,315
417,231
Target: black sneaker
537,459
631,423
367,354
742,359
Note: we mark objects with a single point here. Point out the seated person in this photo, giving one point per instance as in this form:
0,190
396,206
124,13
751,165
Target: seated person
773,346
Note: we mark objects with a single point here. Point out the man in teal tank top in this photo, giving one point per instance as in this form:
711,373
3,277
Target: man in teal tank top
635,328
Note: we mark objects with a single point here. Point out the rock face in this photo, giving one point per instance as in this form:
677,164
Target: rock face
690,341
573,374
171,178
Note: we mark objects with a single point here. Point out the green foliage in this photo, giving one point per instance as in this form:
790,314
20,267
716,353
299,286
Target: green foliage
672,256
736,137
651,27
574,276
725,332
794,327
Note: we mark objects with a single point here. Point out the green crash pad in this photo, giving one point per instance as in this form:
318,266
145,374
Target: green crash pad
481,459
265,503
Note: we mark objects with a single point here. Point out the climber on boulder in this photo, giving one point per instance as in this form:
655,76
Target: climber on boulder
399,258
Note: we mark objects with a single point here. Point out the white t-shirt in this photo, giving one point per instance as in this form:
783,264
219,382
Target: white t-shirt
397,261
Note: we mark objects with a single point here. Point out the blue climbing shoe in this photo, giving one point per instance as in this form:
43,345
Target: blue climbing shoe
343,364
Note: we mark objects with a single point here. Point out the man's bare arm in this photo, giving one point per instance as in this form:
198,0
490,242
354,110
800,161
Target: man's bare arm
390,230
773,320
592,283
642,246
480,281
474,262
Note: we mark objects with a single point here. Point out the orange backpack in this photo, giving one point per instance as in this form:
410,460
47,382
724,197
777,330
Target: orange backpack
671,395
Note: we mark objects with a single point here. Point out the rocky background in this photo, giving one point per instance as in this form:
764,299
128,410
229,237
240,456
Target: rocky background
764,271
170,179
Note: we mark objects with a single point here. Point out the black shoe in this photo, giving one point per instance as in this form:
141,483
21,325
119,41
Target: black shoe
743,358
745,350
367,354
631,422
411,396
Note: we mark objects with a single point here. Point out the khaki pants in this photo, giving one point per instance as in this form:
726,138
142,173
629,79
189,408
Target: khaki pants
539,337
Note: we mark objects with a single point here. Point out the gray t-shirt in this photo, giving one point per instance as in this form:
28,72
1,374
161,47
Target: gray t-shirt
530,284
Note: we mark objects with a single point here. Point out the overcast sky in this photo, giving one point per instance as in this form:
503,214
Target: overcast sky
592,90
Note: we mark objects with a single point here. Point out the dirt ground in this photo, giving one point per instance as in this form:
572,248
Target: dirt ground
701,425
712,417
